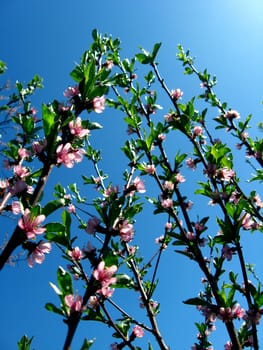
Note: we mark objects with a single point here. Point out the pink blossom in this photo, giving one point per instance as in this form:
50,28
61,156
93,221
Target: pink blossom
71,91
237,311
247,222
160,240
191,163
161,137
149,169
75,253
167,203
179,178
225,174
109,64
191,236
16,207
93,302
39,146
71,208
76,128
21,171
23,153
31,225
198,130
106,291
258,201
138,331
92,225
232,114
111,189
67,155
38,254
104,274
139,185
227,252
114,346
176,94
126,231
168,185
74,302
4,184
168,226
99,104
169,117
228,345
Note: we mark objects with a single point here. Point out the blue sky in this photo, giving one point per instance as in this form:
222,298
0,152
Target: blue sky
47,38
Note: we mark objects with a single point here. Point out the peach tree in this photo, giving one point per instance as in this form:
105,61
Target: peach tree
153,173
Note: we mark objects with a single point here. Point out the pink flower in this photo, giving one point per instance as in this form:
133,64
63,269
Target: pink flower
21,171
232,114
149,169
39,146
74,302
168,185
104,274
107,292
76,128
71,91
16,207
169,117
92,225
67,155
191,236
168,226
71,208
167,203
23,153
198,130
109,64
126,231
76,253
226,174
161,137
247,222
227,252
228,345
160,240
191,163
176,94
111,189
38,254
179,178
30,225
139,185
4,184
138,331
93,302
99,104
238,312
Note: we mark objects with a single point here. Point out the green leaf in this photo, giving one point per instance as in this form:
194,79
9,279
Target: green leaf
24,343
3,67
52,206
123,281
51,307
87,344
195,301
155,50
64,281
48,116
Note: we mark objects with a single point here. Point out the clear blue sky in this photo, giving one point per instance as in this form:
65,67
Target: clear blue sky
47,37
